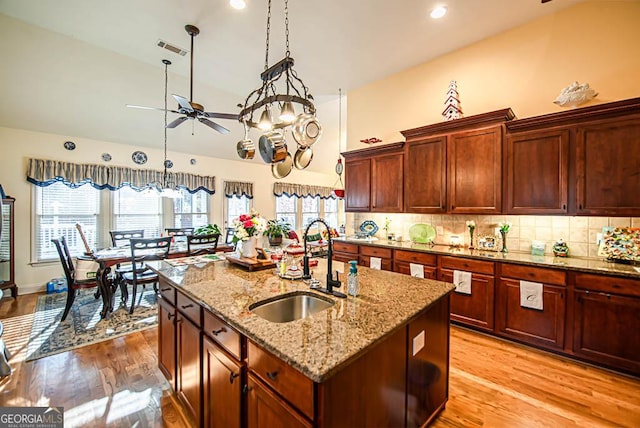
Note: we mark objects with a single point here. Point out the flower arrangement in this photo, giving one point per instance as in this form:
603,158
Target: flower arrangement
471,224
504,227
248,225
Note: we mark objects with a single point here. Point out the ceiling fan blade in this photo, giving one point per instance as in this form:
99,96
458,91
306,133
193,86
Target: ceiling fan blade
184,103
230,116
210,124
177,122
151,108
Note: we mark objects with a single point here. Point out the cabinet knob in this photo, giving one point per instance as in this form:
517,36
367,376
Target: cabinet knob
232,376
190,305
217,332
170,315
165,289
272,375
564,207
246,388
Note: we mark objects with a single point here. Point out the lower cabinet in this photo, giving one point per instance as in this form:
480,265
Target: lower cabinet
167,340
188,357
266,409
221,387
606,321
543,327
384,254
402,261
345,251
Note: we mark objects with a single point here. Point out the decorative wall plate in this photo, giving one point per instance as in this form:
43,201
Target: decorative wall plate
139,157
422,233
168,164
69,145
106,157
369,227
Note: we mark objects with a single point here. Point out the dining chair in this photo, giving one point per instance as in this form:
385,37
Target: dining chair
73,284
144,250
120,238
202,244
180,231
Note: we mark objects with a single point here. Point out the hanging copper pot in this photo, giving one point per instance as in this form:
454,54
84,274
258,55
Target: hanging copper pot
273,148
246,149
303,157
282,169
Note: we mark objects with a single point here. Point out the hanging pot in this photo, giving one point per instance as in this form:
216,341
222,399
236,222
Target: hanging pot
246,149
273,148
303,157
306,130
282,169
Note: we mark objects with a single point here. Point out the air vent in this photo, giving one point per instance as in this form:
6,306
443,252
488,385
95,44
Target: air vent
172,48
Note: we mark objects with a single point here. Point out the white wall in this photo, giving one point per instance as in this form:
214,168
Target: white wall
17,146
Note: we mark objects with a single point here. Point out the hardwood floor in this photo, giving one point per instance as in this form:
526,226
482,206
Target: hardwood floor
493,383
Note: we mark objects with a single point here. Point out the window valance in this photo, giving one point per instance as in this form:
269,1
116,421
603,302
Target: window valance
238,188
302,190
46,172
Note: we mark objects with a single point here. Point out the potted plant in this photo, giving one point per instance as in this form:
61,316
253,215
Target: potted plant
208,229
275,230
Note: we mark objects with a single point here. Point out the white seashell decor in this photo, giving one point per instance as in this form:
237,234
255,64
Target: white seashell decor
575,94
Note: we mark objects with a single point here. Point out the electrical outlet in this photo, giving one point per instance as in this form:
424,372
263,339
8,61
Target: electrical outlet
496,231
440,230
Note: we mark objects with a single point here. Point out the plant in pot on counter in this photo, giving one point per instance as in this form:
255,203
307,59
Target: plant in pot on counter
275,231
209,229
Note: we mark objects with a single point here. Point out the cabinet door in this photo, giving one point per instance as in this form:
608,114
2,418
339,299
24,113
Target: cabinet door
606,329
537,165
386,183
167,340
538,327
425,178
222,387
265,409
475,309
475,171
188,368
608,168
357,184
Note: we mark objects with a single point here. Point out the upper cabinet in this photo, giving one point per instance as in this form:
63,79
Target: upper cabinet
456,166
374,179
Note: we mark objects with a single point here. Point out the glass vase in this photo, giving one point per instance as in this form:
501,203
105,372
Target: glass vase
471,230
504,242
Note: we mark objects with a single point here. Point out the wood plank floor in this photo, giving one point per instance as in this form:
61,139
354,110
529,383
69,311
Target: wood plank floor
493,383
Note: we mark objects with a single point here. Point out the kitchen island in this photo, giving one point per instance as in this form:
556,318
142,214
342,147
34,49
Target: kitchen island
380,359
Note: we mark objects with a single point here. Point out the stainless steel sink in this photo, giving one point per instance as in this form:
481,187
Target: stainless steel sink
291,307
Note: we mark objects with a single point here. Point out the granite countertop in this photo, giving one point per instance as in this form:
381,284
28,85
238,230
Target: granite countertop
568,263
317,346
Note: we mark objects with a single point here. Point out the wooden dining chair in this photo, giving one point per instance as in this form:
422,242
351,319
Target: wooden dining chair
122,237
144,250
202,244
73,285
179,231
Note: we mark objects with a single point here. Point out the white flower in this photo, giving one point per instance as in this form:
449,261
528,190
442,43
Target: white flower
504,227
471,224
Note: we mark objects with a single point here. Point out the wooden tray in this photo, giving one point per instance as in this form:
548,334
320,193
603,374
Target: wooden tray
250,264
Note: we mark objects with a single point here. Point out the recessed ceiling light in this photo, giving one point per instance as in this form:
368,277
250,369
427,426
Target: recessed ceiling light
438,12
238,4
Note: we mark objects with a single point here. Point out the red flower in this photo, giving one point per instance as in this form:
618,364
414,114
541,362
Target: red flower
247,223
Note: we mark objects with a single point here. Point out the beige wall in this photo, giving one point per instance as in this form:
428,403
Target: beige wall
597,42
17,146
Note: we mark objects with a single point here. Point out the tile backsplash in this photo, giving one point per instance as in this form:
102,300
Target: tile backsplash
580,233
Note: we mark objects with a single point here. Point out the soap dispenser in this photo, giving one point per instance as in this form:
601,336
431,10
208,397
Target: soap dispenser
352,279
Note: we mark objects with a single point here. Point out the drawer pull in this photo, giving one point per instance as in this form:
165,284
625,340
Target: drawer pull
246,388
232,376
272,375
170,315
190,305
217,332
165,289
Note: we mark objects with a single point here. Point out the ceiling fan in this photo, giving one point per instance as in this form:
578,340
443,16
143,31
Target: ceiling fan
189,109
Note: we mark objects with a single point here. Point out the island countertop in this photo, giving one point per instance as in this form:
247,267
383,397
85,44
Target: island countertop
319,345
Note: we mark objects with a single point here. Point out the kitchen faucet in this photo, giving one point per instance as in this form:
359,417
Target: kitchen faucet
331,282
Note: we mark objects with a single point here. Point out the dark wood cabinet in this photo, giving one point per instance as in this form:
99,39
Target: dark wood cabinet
606,320
403,259
221,387
387,176
384,254
357,179
537,172
425,178
7,248
167,340
188,357
345,251
266,409
608,167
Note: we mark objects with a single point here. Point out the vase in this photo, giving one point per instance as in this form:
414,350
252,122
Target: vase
504,242
248,248
471,247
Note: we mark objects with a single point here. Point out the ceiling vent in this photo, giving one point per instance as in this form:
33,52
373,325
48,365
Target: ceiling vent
173,48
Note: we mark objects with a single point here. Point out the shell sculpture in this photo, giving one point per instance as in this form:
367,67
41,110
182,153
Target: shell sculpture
575,94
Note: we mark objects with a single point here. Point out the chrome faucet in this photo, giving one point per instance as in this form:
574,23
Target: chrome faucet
331,282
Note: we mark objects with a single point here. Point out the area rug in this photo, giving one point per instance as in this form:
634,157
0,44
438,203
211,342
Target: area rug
83,325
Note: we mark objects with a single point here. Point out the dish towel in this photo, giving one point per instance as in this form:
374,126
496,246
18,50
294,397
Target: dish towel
462,281
416,270
375,263
531,295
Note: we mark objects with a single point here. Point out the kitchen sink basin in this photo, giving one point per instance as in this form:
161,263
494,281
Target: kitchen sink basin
291,307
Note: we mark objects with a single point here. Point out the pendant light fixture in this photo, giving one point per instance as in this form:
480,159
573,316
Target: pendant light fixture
338,186
271,108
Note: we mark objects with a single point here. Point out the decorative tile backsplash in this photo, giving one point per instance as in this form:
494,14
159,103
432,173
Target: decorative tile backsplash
580,233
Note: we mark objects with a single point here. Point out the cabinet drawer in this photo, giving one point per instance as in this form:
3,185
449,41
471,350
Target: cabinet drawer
189,308
345,247
287,381
345,257
608,284
468,265
536,274
385,264
168,293
375,252
223,334
415,257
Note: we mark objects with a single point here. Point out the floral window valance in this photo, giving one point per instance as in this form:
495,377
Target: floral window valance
302,190
238,188
46,172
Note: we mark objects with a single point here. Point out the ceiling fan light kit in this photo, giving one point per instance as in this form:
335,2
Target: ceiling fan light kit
276,111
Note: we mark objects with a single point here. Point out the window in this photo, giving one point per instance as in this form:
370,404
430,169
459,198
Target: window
299,212
137,210
57,210
236,205
310,210
331,212
287,210
191,210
